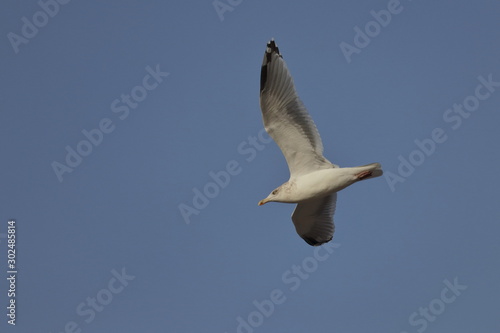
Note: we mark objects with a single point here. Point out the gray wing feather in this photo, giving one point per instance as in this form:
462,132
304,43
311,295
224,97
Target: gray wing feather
286,119
313,219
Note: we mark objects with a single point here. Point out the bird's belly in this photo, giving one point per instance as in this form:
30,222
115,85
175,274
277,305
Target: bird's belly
322,183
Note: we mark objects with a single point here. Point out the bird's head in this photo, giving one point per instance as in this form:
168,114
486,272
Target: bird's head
273,196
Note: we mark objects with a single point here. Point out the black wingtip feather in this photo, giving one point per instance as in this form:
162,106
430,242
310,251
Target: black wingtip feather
271,48
311,241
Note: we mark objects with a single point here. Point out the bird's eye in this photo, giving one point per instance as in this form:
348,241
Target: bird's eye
274,192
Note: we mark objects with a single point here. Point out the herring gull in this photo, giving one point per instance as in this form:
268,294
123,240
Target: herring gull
314,181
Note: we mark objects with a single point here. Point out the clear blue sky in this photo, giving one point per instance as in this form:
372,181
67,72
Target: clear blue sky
115,114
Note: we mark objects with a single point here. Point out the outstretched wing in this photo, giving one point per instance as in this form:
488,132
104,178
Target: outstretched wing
286,118
313,219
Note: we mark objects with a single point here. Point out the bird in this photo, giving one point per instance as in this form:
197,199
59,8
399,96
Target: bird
314,181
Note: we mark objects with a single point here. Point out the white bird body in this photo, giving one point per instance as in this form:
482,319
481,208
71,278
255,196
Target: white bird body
321,183
327,181
314,181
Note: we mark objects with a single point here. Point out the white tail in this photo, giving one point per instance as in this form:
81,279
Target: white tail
368,171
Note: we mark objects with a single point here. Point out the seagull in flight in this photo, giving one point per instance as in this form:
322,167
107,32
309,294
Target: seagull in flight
314,181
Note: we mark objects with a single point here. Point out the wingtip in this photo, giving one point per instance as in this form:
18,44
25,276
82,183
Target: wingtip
272,48
313,242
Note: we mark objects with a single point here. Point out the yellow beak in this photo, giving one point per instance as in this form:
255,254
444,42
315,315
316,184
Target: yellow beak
262,202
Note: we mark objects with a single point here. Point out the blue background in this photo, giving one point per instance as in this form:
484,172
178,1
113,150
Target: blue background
120,208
